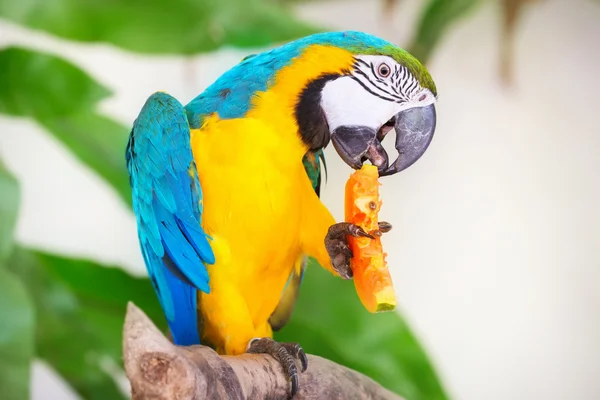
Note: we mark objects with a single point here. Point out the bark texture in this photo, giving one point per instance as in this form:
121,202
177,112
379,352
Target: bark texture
157,369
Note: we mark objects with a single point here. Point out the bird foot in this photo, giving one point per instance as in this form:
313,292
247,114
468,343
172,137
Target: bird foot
336,243
285,354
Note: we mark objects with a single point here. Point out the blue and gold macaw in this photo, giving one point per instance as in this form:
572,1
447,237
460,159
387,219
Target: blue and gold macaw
226,189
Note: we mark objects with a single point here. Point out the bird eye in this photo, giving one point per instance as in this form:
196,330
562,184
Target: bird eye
384,70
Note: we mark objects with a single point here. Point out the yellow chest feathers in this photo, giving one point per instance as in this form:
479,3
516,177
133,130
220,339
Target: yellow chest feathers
250,168
258,201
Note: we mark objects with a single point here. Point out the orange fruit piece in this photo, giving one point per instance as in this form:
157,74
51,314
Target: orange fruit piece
372,278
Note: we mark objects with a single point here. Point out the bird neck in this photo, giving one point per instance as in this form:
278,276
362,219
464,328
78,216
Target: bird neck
291,103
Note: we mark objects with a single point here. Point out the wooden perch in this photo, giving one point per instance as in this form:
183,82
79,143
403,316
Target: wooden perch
157,369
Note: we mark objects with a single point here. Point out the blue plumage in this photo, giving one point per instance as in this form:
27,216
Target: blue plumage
167,204
229,96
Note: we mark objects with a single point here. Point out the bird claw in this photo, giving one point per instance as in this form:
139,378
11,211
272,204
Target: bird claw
285,354
384,227
357,231
336,243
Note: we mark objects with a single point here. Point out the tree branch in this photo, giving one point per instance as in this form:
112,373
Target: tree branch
157,369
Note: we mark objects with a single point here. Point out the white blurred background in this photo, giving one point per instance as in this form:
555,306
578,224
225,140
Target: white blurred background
495,251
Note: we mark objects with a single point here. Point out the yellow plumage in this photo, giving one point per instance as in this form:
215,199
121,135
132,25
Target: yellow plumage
259,205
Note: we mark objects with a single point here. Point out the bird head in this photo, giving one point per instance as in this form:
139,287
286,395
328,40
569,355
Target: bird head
348,87
381,88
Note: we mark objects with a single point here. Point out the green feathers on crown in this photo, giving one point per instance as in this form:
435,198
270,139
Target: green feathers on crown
403,57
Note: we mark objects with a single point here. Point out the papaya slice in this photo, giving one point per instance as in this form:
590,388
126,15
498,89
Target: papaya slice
372,278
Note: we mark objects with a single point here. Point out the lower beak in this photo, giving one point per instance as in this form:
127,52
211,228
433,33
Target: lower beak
414,131
356,144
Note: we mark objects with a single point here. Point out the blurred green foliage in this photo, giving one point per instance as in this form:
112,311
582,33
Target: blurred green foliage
75,337
158,26
80,307
437,18
9,208
16,337
70,312
35,85
16,308
339,328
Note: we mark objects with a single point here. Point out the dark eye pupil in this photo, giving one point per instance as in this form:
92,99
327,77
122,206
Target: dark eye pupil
384,70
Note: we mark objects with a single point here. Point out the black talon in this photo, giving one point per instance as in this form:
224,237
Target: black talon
384,227
357,231
336,243
285,354
364,234
298,353
294,379
303,360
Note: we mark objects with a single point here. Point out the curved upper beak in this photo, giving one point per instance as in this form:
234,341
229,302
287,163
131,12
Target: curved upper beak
414,131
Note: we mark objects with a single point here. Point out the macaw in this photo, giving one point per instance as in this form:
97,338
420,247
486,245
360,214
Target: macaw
226,190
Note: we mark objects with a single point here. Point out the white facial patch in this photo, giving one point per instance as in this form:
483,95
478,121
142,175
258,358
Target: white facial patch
377,89
346,102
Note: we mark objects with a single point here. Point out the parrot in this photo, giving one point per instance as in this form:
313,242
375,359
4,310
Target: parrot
226,189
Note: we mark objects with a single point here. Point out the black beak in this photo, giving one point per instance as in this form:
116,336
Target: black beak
356,144
414,131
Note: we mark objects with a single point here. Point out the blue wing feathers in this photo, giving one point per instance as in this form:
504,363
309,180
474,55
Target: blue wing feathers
197,238
167,204
180,250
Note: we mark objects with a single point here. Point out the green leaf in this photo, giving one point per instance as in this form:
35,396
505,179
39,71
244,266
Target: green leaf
157,26
339,328
436,19
63,99
80,311
9,207
103,286
16,337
